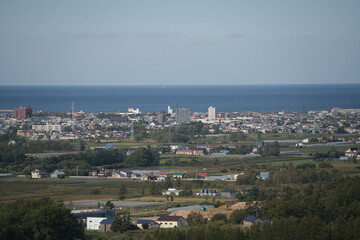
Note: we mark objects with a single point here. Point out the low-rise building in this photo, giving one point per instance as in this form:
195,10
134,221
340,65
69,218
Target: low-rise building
228,193
147,224
202,175
171,222
208,192
178,175
148,177
36,173
105,225
172,191
351,152
93,223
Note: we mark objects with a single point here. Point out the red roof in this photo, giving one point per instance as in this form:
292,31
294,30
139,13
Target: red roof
149,175
202,174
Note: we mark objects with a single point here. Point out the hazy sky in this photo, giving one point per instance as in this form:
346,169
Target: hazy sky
179,42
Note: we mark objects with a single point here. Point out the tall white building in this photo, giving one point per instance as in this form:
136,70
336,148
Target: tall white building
134,110
170,111
212,113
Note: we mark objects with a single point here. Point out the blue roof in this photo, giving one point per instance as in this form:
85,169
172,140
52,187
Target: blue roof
143,221
265,219
106,213
109,146
250,218
264,175
107,221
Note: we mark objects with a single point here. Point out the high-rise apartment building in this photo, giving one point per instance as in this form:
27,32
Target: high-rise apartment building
170,111
212,113
182,115
22,113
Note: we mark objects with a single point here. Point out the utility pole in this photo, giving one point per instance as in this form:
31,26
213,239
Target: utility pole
169,135
176,116
132,137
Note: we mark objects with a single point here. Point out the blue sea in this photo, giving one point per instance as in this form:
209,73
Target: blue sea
229,98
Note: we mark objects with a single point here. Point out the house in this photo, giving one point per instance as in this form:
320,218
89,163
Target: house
172,191
163,177
202,175
105,225
185,151
93,223
104,172
228,193
250,220
171,222
148,177
263,175
37,174
147,224
198,152
135,175
207,192
351,152
125,173
178,175
57,173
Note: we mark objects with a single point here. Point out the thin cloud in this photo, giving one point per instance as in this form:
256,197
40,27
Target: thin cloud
91,34
98,34
158,35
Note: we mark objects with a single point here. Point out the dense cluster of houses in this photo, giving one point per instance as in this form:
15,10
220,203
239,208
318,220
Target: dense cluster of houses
91,125
101,220
37,173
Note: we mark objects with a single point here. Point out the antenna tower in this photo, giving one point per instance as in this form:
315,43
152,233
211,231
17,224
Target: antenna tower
72,111
176,116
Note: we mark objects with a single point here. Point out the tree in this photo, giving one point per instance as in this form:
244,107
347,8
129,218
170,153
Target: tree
143,157
219,217
271,149
155,189
123,189
109,205
38,219
122,223
195,218
237,216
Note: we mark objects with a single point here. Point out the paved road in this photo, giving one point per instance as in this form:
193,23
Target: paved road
118,204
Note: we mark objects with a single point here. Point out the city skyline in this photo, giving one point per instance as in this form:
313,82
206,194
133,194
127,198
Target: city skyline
179,43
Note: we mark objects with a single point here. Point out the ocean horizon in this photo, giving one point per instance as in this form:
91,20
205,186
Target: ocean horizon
156,98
